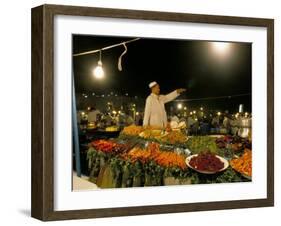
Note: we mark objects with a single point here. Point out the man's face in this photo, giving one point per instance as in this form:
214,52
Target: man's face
156,89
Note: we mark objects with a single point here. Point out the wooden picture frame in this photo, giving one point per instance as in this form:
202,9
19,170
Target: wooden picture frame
42,203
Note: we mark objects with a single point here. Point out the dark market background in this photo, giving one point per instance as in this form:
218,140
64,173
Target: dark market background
172,63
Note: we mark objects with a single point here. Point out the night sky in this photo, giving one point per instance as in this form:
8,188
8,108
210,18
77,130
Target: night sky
194,65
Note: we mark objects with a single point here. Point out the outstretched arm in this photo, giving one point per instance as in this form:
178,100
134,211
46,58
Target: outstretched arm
173,95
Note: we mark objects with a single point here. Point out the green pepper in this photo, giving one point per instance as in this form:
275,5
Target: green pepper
138,179
126,175
95,171
116,172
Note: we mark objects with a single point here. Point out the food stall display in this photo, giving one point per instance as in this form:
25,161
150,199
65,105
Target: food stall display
243,164
152,157
132,130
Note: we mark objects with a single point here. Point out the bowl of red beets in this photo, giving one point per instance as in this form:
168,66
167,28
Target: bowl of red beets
207,163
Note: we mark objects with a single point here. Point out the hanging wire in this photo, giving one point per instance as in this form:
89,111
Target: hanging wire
120,58
100,56
105,48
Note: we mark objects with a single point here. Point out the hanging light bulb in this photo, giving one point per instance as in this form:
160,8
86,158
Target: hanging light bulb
98,71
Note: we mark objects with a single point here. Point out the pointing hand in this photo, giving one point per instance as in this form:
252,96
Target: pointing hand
179,91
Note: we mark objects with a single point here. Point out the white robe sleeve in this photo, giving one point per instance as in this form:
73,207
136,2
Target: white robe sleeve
147,112
169,97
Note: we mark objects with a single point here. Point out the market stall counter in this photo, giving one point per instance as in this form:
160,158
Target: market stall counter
151,157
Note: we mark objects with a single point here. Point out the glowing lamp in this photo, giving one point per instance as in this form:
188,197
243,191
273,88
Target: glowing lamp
98,71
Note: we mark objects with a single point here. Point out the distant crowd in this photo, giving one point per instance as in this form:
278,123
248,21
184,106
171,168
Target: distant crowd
194,124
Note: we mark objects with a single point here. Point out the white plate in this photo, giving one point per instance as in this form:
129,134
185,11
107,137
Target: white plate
225,162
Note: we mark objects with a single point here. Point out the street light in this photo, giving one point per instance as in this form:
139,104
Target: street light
179,106
221,48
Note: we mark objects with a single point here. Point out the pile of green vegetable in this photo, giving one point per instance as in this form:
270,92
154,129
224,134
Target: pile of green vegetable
198,144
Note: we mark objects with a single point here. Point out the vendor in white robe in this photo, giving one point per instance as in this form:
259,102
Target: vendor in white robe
154,113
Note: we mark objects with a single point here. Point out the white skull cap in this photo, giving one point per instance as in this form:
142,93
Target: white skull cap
152,84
